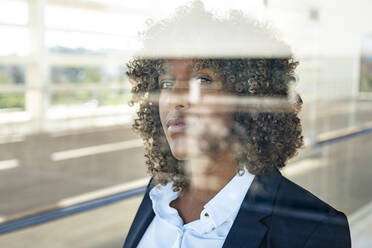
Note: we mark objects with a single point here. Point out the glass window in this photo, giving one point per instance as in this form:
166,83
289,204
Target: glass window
12,75
94,21
13,12
14,41
94,97
89,43
84,123
366,65
12,101
86,75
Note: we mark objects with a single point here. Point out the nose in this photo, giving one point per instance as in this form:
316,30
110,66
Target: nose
180,95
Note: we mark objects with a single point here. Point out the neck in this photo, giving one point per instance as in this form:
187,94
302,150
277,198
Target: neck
210,174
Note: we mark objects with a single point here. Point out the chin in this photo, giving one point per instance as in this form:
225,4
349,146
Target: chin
180,148
179,156
185,154
180,153
186,149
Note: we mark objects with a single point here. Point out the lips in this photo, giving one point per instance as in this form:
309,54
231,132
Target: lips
177,127
176,124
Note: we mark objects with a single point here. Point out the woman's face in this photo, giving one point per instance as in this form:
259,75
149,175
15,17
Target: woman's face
192,110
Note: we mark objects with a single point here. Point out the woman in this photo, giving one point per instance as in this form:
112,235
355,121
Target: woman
214,154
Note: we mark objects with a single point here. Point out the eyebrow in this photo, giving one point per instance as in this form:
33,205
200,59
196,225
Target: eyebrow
164,68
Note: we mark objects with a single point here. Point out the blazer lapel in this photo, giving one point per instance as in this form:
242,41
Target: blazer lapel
247,229
143,218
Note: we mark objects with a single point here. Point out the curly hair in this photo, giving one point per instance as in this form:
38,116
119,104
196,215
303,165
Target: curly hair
266,139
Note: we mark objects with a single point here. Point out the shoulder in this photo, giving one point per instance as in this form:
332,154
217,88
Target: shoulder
298,212
292,196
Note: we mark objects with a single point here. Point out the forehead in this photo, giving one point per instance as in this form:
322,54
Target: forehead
186,66
177,66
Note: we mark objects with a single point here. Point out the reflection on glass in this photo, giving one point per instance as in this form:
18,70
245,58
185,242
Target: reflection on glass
13,12
218,116
94,21
65,135
14,41
89,43
12,101
90,98
87,75
12,75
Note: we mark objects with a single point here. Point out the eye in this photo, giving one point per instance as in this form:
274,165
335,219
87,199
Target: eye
204,79
166,84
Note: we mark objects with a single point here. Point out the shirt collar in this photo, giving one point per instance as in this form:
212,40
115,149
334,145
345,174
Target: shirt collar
161,196
226,203
222,207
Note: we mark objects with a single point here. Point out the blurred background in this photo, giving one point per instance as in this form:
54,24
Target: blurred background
68,159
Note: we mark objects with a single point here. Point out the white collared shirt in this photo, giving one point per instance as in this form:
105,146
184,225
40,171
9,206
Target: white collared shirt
167,228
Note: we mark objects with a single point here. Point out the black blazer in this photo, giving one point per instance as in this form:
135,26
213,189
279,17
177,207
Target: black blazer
275,213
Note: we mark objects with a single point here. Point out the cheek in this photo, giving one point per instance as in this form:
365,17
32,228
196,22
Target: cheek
220,108
163,109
